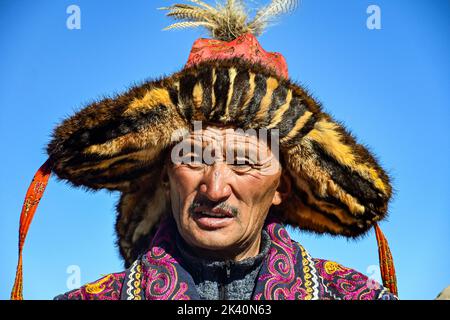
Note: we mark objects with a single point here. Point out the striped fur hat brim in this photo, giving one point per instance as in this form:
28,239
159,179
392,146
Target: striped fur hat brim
120,143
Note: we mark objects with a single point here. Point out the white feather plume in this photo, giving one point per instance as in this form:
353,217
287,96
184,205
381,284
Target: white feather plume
228,20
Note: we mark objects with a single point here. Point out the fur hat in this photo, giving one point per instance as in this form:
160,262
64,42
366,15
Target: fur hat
120,143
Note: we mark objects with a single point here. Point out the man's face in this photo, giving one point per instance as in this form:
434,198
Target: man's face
222,191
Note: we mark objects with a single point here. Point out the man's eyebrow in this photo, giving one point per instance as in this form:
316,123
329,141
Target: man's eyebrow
194,141
252,153
240,145
242,149
247,145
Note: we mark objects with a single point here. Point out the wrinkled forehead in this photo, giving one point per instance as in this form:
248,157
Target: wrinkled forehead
210,144
233,137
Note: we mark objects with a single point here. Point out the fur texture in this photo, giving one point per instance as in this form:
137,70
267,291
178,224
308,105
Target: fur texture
120,143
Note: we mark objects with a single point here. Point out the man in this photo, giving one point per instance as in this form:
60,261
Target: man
212,163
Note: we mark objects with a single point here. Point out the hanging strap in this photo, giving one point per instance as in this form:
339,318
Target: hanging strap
30,204
386,262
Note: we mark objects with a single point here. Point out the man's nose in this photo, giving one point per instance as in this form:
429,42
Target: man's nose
215,183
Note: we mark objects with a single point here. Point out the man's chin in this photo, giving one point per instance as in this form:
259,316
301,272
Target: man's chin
211,248
214,240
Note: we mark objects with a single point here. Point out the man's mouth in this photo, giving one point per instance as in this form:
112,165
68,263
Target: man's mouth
213,212
213,218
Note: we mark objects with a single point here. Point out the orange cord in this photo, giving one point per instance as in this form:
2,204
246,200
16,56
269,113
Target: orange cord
30,204
386,262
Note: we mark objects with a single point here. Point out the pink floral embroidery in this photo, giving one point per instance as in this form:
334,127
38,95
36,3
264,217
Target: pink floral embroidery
281,282
161,275
106,288
346,283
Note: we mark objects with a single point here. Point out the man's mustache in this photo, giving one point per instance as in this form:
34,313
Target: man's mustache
210,205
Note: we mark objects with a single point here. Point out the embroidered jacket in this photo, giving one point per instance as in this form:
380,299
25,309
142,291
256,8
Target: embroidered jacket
288,273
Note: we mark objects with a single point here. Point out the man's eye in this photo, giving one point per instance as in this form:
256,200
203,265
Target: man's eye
192,160
244,165
195,165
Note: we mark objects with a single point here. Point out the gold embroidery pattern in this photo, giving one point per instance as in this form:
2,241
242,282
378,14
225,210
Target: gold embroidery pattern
308,276
98,286
134,282
310,273
332,267
137,283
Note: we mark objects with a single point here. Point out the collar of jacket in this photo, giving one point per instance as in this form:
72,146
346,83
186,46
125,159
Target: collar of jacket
161,273
199,267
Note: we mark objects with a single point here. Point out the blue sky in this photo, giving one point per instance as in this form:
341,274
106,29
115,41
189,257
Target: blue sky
389,86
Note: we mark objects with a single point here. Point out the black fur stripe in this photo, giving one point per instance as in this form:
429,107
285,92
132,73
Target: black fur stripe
350,181
240,89
187,83
173,94
369,215
102,176
336,204
309,125
206,78
114,129
349,229
258,95
278,99
295,111
221,88
79,160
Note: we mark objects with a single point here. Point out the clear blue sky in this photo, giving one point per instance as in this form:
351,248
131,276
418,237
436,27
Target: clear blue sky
389,86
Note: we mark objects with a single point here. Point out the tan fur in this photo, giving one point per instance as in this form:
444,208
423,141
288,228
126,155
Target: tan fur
304,165
157,206
354,206
232,74
271,84
249,94
322,205
299,124
143,156
197,95
152,98
305,217
279,113
143,140
326,135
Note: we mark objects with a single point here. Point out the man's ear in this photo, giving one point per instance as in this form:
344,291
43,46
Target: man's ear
284,189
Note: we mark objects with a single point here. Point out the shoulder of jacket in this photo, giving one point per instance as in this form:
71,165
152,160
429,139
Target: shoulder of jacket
106,288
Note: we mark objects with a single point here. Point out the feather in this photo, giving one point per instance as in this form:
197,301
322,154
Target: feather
188,14
204,5
268,13
188,24
228,20
277,7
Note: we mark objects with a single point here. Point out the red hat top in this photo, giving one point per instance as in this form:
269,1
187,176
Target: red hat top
246,47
